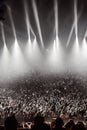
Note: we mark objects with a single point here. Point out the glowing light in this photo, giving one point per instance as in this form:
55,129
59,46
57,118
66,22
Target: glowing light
83,57
84,50
75,18
76,47
55,57
70,35
75,54
56,16
27,18
75,57
37,21
32,32
12,22
56,23
57,42
28,49
5,55
18,63
36,51
5,63
3,34
5,70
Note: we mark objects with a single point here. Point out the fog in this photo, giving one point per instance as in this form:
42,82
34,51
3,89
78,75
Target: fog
24,58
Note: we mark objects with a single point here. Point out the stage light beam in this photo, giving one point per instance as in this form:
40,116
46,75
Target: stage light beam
3,33
75,18
56,16
12,22
19,65
84,50
27,18
37,21
75,23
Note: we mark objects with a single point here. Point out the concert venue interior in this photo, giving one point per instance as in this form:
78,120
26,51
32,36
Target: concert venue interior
43,59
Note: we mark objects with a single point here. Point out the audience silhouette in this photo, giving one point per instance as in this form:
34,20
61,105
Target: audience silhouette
39,124
79,126
59,124
11,123
69,125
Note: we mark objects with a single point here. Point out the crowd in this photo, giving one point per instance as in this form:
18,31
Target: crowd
50,95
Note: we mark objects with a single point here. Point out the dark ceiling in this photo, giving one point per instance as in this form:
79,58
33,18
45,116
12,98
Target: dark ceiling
46,17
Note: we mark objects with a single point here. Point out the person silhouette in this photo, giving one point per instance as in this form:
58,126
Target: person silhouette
39,124
11,123
59,124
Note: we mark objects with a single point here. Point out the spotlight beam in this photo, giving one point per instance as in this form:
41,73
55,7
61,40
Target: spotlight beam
27,18
12,22
32,32
37,21
56,16
75,17
72,29
3,33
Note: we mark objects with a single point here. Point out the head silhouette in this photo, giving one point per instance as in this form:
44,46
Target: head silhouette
38,120
59,122
11,123
79,126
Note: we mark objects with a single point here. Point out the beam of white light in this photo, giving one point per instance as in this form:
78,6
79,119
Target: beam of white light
76,47
74,24
36,52
29,28
34,56
83,57
29,53
32,32
84,50
70,35
75,18
55,57
56,16
57,43
12,22
18,63
75,57
3,33
27,18
5,55
28,49
5,63
37,21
